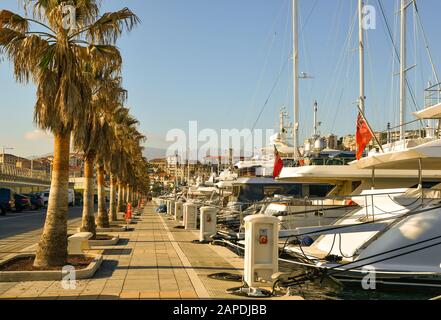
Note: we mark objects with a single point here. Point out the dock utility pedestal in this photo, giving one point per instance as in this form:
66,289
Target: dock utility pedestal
179,213
208,223
190,216
170,207
261,249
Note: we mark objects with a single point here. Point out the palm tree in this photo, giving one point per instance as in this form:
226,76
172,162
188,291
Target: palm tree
54,57
119,163
119,205
134,152
115,96
103,216
88,220
95,139
113,217
141,182
114,162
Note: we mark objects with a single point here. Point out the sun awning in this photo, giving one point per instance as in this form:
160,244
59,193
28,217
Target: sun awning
433,112
336,174
429,153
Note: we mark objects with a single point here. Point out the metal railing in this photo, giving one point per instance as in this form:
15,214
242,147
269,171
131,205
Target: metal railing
432,95
422,129
323,205
371,209
10,172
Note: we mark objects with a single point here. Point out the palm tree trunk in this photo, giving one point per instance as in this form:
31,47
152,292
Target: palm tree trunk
103,216
123,198
52,248
119,206
112,203
88,223
127,194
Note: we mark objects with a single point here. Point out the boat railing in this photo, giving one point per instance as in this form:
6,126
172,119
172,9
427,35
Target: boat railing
432,95
320,206
331,161
391,137
326,206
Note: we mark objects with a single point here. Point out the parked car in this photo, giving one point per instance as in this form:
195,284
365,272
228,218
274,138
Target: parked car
7,201
22,202
71,197
37,201
45,196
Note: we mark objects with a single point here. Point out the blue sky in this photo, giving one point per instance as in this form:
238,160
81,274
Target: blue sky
216,62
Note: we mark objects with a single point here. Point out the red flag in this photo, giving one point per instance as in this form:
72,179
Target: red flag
278,164
364,135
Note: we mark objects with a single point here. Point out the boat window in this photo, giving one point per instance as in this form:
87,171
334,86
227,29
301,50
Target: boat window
426,185
355,185
334,162
251,193
236,191
317,162
318,190
283,190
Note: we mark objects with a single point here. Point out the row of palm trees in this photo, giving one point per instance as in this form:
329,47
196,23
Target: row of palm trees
77,72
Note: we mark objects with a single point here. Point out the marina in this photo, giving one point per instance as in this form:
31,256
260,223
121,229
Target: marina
327,188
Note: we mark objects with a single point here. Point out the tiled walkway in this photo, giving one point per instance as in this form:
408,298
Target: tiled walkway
155,261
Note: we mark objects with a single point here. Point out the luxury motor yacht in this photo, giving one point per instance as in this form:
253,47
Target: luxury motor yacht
395,233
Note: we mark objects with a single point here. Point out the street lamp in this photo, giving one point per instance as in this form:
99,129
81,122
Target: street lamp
32,167
176,174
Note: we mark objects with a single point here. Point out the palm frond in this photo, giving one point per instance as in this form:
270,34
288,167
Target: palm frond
109,27
105,56
24,51
13,21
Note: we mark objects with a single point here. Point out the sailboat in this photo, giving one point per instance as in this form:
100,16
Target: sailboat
256,181
349,181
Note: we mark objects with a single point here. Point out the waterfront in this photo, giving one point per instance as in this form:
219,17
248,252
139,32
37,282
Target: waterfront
221,151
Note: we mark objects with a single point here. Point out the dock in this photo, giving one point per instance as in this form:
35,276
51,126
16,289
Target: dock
156,260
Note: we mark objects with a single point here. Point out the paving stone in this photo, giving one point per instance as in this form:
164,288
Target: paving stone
88,297
149,294
169,295
146,266
129,295
109,297
114,284
188,294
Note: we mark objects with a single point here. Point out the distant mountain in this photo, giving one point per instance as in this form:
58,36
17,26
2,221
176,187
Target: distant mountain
150,153
154,153
39,157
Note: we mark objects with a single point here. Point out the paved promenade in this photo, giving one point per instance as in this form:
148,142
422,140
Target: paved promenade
155,261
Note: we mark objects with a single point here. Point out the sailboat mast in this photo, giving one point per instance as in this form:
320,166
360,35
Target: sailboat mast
295,64
361,55
315,119
403,62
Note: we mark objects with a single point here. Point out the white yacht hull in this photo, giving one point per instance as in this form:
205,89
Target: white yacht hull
406,249
313,216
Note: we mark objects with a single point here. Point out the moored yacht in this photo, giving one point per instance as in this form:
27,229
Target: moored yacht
395,233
